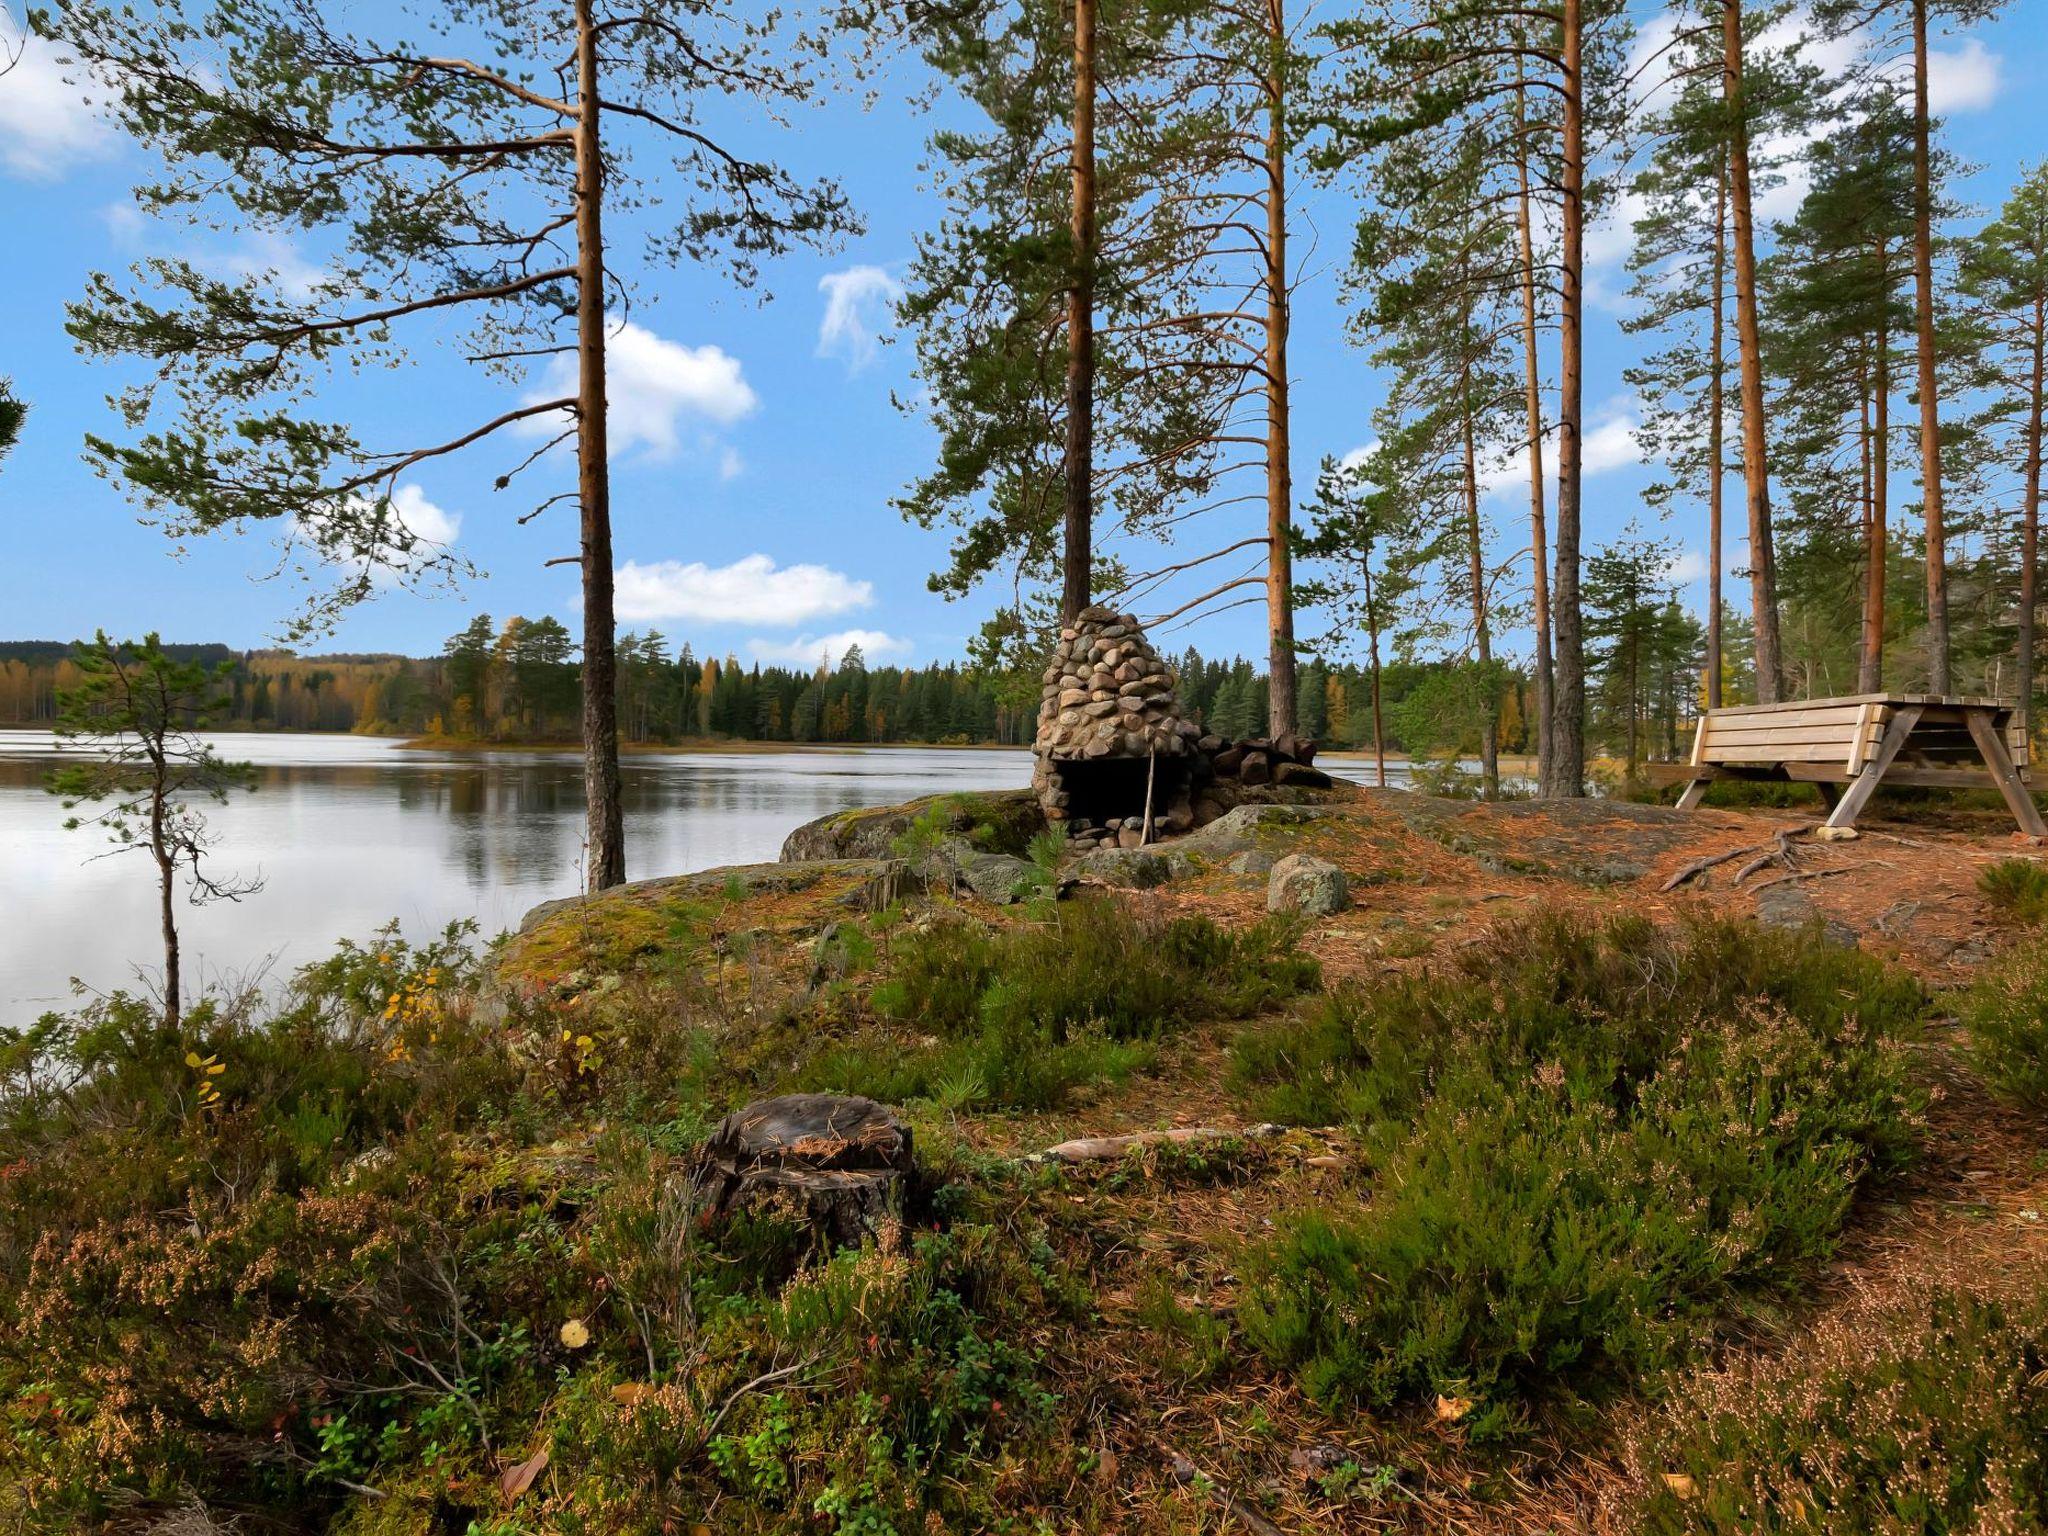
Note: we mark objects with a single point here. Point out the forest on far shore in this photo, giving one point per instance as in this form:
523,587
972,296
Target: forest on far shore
518,682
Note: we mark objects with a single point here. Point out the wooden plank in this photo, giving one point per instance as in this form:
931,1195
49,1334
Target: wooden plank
1845,737
1788,752
1866,714
1845,733
1898,700
1900,774
1699,739
1831,714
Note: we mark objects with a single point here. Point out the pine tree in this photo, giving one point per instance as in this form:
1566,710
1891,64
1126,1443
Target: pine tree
450,187
1881,22
2005,271
136,716
1628,607
1726,97
13,413
1368,542
1489,79
1442,315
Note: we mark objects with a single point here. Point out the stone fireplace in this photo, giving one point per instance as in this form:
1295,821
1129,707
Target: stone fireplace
1111,734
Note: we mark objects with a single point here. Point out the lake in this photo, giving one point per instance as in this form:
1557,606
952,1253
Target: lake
349,832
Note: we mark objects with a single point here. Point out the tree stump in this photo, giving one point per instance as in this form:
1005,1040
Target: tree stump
841,1165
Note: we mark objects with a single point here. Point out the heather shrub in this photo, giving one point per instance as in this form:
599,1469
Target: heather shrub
1933,1420
2006,1013
1580,1145
2017,888
1019,1017
1096,964
361,1241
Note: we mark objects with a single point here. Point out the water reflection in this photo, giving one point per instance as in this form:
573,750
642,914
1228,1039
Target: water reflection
350,832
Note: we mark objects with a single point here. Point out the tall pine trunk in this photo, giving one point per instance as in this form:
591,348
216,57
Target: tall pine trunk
1280,698
1717,421
1939,678
606,827
2030,518
1756,479
1372,635
1532,389
1567,768
1877,535
1077,573
1482,632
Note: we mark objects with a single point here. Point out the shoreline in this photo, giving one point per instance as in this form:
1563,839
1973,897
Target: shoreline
694,747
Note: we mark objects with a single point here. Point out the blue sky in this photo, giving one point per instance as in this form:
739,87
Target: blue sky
756,447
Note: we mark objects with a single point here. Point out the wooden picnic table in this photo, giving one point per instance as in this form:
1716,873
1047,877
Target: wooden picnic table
1849,746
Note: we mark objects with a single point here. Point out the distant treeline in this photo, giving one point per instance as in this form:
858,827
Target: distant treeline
518,682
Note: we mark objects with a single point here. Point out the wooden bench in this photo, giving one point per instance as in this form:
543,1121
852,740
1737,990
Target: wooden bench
1863,741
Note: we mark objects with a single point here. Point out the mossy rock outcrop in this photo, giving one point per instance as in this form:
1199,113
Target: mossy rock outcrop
993,821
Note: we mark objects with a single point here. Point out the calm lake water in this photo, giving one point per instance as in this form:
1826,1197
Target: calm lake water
349,832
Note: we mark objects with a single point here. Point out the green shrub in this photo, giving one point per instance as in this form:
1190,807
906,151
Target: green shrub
1581,1144
1096,964
2006,1012
1023,1015
1931,1425
2017,888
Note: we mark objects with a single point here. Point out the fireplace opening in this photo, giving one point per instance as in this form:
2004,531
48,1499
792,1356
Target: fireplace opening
1102,790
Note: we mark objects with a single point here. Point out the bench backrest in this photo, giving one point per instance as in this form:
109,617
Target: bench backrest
1846,732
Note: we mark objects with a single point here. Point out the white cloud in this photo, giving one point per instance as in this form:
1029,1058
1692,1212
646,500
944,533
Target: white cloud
806,650
730,465
1609,443
1686,567
859,305
431,530
752,590
1358,457
1962,79
651,384
271,257
47,124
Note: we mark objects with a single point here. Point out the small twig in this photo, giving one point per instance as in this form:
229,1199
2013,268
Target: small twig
1713,860
1780,853
1186,1473
1097,1149
1822,874
766,1378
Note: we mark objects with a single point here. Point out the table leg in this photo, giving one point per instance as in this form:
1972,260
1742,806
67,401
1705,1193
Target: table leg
1999,761
1864,785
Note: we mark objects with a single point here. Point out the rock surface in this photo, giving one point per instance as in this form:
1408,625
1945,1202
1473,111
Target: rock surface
1135,869
1304,883
1785,906
882,881
1012,815
1250,828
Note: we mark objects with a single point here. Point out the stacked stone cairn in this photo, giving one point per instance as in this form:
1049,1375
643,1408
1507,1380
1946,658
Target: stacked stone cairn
1109,696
